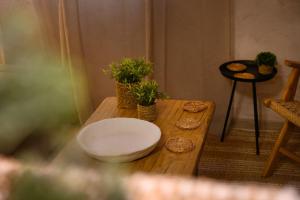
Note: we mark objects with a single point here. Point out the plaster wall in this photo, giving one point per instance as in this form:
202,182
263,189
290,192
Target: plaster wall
110,30
190,40
265,25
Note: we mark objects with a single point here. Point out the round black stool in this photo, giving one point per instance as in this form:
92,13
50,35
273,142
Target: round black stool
253,69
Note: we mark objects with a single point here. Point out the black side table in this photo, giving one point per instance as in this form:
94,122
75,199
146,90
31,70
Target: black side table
253,69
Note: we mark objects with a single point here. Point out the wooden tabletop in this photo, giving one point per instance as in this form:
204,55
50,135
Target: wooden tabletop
160,160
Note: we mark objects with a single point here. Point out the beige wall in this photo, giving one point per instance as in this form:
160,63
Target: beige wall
265,25
190,40
111,29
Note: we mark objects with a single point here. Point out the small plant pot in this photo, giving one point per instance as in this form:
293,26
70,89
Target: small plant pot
147,112
125,97
265,69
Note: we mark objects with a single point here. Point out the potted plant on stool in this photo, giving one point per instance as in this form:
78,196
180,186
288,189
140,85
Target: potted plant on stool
146,93
128,72
266,61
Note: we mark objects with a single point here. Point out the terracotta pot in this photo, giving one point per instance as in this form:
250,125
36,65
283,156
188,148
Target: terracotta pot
147,112
125,97
265,69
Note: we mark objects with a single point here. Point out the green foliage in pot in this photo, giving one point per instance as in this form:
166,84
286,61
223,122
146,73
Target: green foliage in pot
147,92
266,58
129,70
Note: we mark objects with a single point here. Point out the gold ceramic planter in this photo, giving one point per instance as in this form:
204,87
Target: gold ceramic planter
124,96
147,112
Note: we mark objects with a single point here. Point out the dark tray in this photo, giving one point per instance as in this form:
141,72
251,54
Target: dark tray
251,68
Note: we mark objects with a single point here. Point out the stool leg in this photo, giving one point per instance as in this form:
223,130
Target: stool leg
228,110
255,117
281,138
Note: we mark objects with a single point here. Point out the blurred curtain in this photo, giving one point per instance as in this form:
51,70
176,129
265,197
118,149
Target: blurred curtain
2,58
60,25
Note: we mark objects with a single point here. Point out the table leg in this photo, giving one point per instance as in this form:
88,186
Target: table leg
255,117
228,110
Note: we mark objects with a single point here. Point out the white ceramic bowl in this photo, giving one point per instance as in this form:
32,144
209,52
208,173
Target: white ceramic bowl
119,139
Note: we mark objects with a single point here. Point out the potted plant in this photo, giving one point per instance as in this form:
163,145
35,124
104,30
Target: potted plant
266,61
127,73
146,94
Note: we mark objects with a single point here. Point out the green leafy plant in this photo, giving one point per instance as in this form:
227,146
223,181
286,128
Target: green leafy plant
129,70
266,58
36,187
147,92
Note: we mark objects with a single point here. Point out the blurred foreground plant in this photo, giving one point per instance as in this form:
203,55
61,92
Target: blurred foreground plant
75,183
30,186
35,89
33,98
71,183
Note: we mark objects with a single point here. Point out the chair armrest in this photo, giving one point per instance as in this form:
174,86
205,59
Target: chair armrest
291,63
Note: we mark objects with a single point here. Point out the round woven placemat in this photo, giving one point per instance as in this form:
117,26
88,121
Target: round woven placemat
236,67
194,106
179,144
244,75
188,123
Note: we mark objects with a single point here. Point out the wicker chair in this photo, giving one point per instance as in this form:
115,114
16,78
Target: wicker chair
289,109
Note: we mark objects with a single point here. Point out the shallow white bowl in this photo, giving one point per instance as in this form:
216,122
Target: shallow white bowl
119,139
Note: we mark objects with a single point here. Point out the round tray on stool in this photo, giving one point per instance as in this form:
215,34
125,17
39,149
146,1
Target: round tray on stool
252,68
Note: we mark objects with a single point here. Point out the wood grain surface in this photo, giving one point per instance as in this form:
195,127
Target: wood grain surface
160,160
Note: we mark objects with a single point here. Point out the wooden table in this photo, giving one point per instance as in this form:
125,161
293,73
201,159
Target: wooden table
160,160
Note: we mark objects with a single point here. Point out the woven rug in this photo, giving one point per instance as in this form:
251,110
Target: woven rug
235,159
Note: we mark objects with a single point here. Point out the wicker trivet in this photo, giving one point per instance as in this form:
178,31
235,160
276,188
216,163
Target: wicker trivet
179,144
244,75
236,67
188,123
194,106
